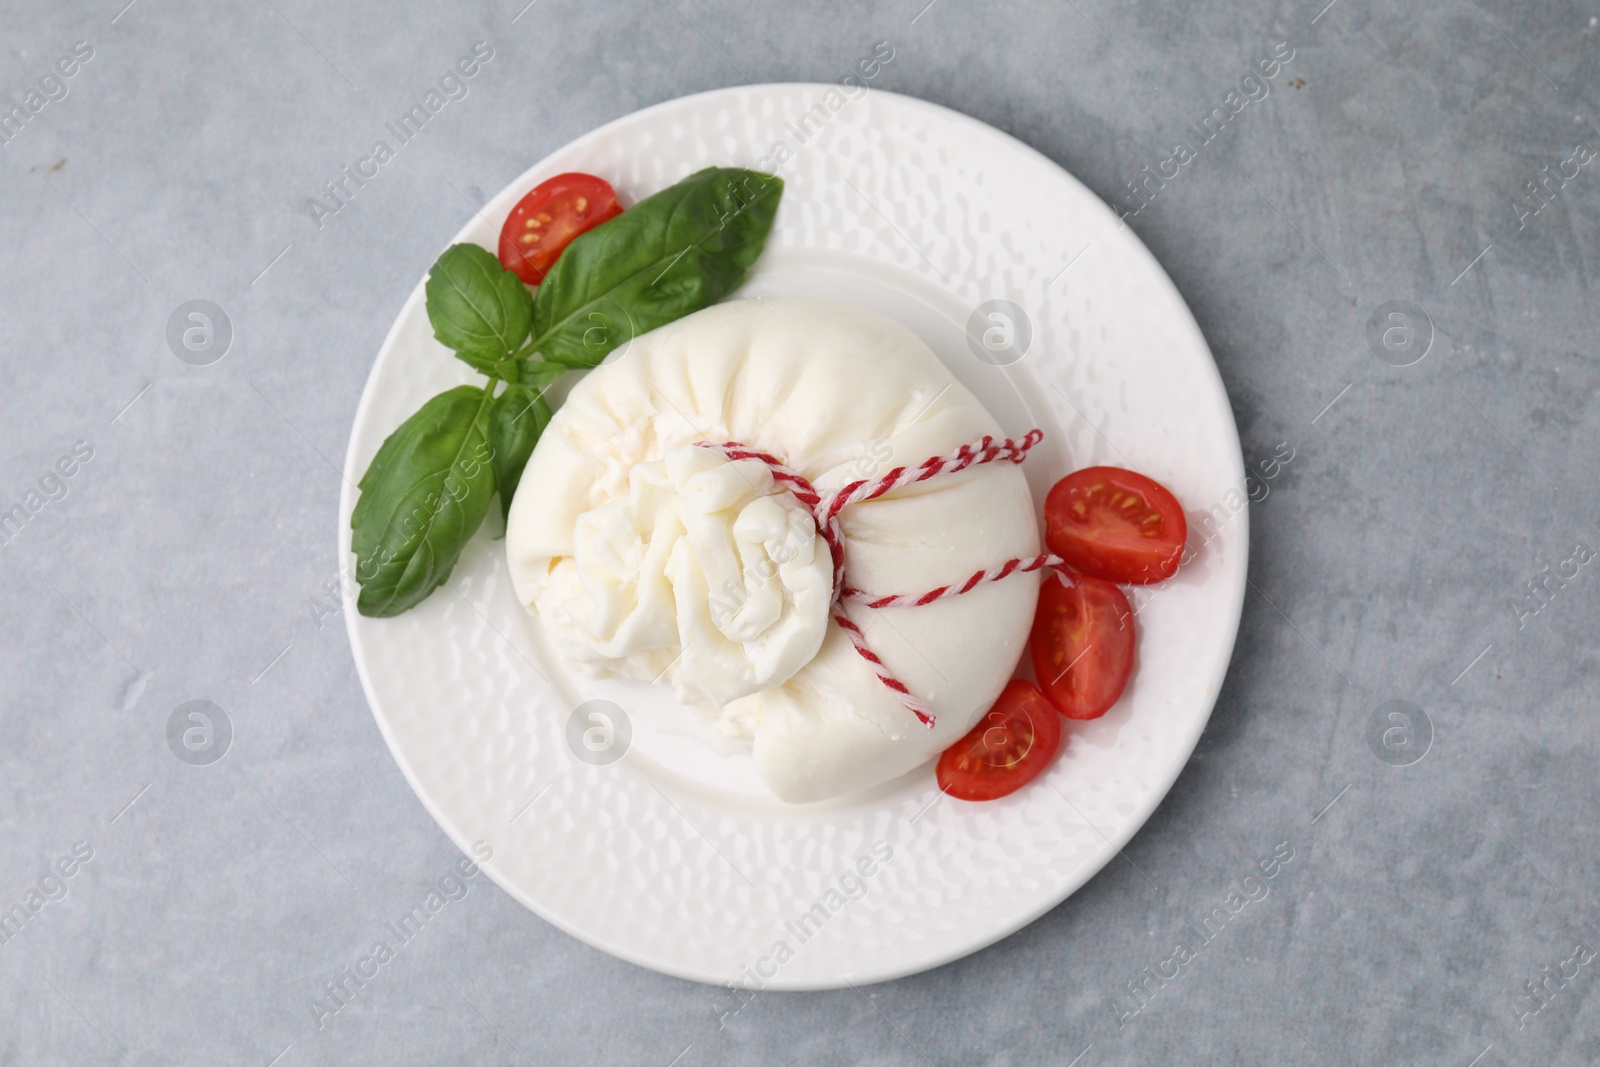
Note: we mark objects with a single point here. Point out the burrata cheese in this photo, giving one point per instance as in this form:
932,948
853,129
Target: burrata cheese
648,557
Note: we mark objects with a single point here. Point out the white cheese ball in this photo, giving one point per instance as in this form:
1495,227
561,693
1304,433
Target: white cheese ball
648,557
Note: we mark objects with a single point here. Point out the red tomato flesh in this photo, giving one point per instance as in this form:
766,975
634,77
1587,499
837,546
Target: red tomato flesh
1010,745
1115,524
1082,644
545,221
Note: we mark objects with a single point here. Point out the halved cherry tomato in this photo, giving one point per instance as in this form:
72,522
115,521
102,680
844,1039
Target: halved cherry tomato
1012,743
1082,644
545,221
1115,524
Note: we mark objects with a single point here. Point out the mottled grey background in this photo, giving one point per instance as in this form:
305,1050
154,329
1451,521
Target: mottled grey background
188,556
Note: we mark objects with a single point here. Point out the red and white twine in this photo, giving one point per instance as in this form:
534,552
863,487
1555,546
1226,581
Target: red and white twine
825,511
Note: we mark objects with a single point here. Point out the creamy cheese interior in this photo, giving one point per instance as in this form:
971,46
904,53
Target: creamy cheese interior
702,556
647,556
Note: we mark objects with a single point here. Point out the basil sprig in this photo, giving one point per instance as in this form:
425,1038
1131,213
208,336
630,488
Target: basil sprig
429,487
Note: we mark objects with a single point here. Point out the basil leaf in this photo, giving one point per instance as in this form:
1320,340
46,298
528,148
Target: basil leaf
673,253
424,495
477,307
516,419
539,375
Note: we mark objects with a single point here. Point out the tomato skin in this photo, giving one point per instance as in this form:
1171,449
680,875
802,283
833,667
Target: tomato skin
1014,741
1082,644
1115,524
545,221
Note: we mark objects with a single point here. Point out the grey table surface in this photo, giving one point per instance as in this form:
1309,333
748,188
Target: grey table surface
1439,911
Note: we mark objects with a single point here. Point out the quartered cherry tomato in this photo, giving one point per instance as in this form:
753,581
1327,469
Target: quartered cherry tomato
1115,524
1010,745
545,221
1082,644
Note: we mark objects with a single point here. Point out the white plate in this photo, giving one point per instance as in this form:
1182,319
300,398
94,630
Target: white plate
671,857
